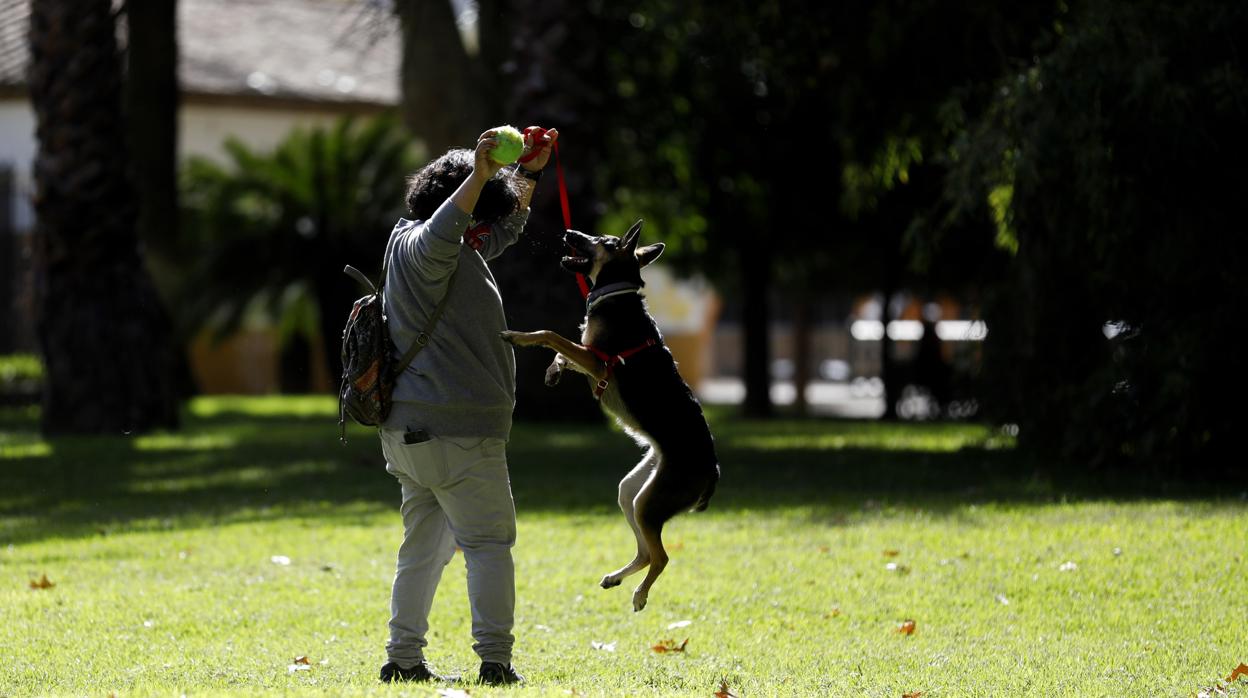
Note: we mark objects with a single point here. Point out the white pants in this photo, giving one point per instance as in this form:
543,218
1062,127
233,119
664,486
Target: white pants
455,491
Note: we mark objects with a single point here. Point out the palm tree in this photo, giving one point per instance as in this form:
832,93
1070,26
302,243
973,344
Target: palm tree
104,334
272,231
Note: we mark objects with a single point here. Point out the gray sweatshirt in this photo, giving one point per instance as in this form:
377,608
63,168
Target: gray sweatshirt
463,384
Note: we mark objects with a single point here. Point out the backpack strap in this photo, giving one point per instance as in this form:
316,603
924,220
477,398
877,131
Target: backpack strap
360,277
422,339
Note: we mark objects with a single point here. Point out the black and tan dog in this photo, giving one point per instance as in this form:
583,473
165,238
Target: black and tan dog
634,376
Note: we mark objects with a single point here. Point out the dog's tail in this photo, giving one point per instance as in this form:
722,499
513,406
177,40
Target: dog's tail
704,500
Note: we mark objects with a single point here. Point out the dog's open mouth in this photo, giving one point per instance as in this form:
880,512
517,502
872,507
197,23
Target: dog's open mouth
576,264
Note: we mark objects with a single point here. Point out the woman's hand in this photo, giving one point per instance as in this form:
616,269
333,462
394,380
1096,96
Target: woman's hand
483,168
541,144
483,165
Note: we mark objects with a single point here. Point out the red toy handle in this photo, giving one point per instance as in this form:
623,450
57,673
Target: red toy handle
536,132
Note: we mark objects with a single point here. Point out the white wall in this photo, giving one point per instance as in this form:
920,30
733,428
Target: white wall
17,150
202,130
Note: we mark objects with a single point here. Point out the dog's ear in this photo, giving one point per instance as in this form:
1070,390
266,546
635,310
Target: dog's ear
630,238
649,253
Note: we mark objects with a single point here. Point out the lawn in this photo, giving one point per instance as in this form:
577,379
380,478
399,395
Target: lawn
204,562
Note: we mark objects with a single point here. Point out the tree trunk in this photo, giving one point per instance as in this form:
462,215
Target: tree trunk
104,335
151,109
8,267
756,327
888,366
447,97
540,86
803,309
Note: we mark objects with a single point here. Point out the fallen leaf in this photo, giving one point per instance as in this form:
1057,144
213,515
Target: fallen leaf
41,583
891,553
906,627
899,569
679,624
836,611
604,646
724,691
912,694
665,646
302,660
825,548
1241,670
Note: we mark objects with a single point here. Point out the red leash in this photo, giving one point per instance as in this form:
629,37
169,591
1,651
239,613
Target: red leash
537,132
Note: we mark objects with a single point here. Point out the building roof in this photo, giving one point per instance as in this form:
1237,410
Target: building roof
323,51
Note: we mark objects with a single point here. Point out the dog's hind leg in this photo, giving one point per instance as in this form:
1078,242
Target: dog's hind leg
652,535
630,486
663,496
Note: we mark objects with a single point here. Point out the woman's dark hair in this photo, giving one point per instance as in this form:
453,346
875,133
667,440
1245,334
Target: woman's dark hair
428,188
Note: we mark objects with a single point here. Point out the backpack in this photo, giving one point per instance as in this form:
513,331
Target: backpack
369,369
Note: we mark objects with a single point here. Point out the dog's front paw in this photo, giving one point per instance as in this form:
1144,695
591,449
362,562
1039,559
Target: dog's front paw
608,581
553,373
639,599
519,339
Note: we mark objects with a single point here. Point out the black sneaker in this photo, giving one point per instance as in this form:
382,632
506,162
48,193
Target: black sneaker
496,674
419,672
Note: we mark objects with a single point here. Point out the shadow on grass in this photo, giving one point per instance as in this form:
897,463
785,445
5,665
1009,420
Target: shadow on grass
237,463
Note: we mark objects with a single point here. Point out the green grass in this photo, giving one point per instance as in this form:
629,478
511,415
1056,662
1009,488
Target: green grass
161,549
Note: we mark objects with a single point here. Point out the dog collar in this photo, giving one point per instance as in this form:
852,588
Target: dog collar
597,295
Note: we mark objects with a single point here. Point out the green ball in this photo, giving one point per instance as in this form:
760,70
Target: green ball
510,145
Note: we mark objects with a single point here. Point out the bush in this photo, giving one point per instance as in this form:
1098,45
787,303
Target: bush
21,378
1112,343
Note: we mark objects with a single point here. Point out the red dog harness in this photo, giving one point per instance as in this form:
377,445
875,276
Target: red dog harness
611,362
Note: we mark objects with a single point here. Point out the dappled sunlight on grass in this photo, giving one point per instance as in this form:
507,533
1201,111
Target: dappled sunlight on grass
236,478
252,536
822,436
264,406
565,439
181,442
30,449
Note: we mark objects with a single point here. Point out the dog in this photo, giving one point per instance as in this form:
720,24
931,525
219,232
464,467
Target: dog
634,377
